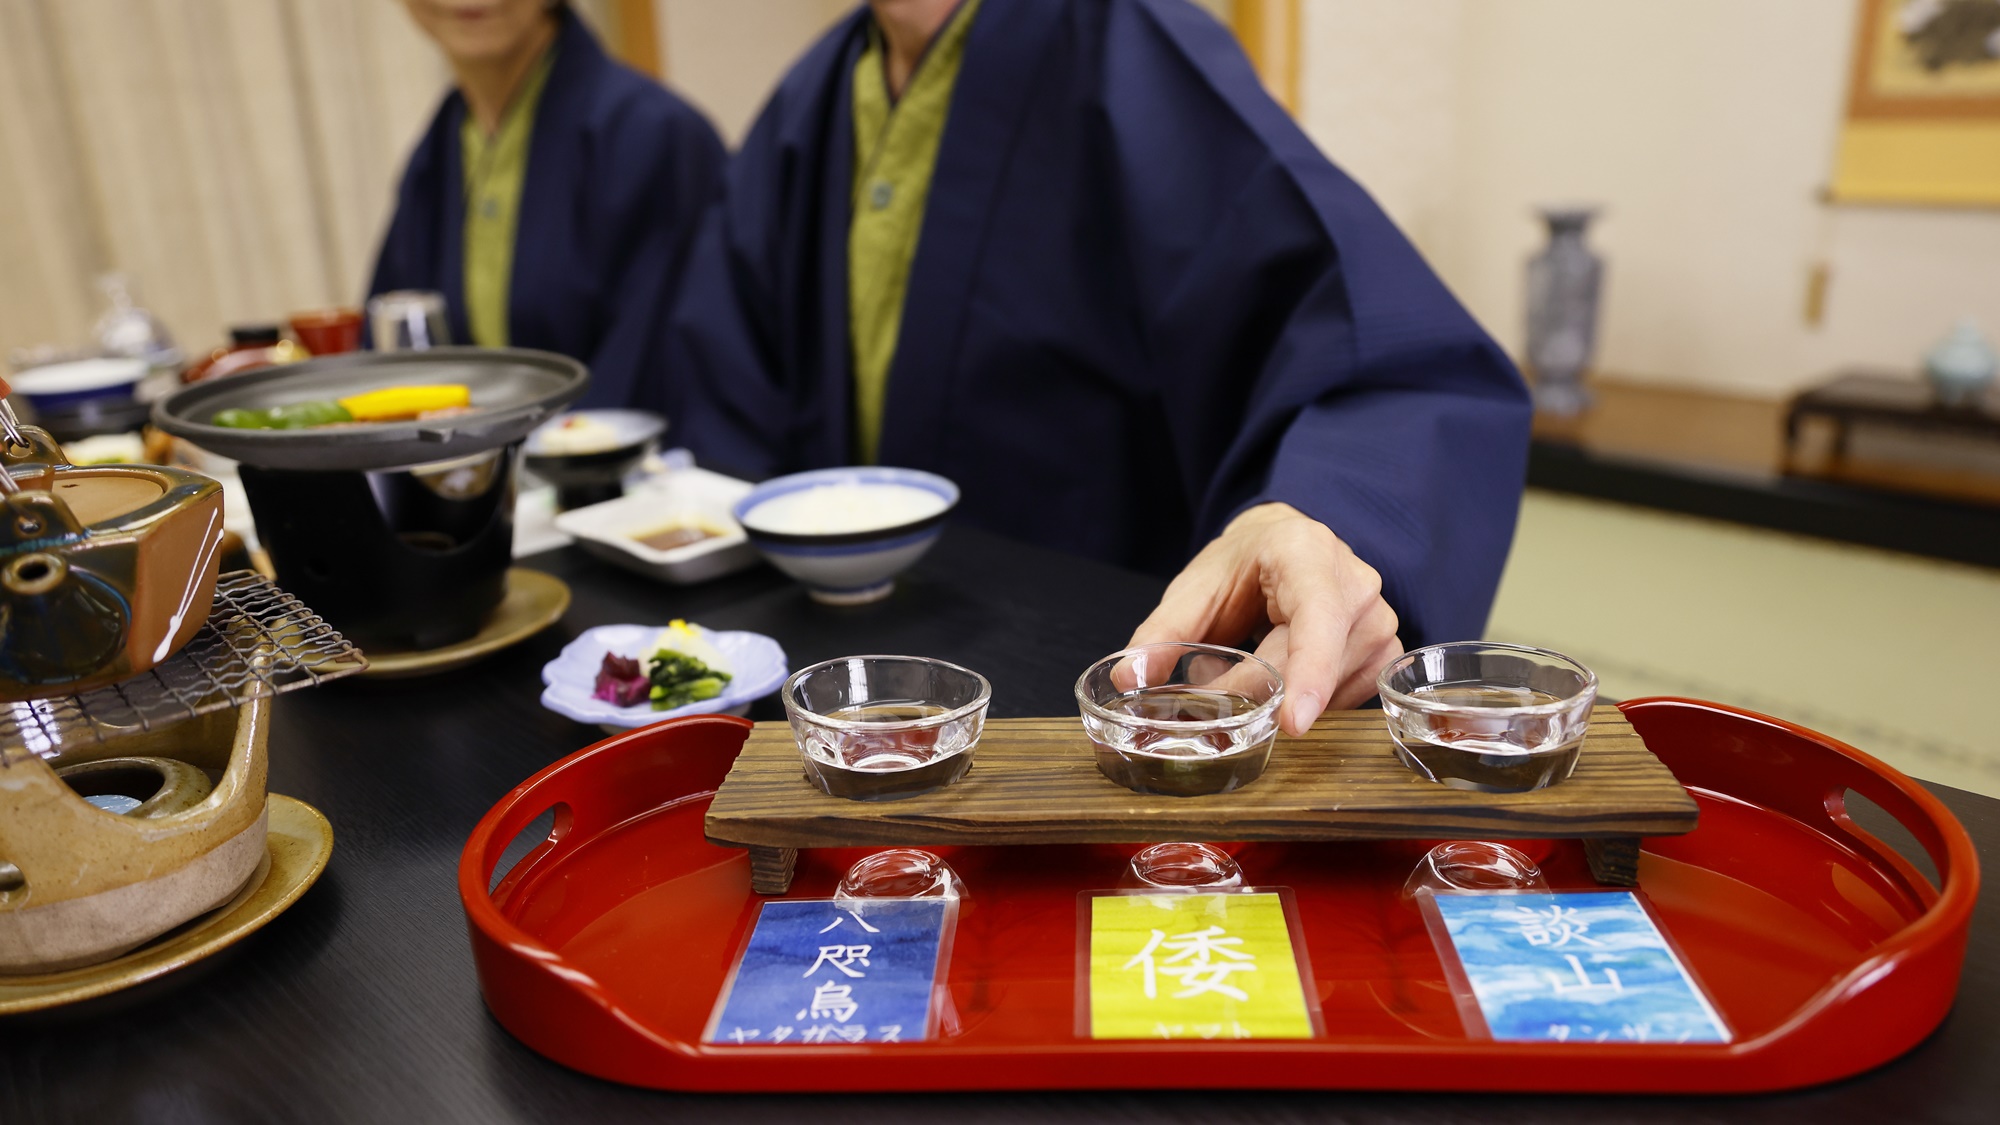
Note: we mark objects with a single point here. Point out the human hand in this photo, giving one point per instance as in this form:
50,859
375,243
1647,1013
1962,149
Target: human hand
1330,630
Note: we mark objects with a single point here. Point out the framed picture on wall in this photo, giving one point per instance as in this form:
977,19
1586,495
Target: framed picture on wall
1923,105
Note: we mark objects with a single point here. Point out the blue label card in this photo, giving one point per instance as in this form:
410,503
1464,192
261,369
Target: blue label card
821,971
1588,966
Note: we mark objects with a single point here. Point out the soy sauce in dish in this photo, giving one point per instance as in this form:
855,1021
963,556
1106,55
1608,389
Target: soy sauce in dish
676,535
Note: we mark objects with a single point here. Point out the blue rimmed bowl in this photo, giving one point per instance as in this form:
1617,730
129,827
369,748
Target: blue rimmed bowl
845,534
66,386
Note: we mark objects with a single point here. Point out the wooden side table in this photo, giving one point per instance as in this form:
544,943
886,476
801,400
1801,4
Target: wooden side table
1888,400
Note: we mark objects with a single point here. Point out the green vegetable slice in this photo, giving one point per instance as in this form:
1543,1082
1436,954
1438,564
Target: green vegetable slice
679,679
291,416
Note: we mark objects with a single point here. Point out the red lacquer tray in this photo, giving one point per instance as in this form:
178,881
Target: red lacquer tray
604,947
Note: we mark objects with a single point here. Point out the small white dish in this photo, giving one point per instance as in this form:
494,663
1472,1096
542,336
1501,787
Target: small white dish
757,668
688,495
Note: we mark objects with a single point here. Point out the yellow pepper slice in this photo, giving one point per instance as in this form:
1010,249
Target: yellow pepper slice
391,403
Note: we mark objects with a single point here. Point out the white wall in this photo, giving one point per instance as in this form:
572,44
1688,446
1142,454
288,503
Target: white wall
236,157
1379,90
726,57
1704,127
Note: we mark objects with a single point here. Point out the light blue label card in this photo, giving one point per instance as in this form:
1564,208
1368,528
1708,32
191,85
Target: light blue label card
819,971
1587,966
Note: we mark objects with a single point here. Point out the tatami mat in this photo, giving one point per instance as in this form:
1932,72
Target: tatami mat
1897,655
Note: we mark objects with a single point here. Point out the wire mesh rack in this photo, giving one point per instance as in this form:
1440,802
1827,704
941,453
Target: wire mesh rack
258,640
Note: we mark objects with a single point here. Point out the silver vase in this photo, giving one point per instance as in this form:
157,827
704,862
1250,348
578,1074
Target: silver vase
1563,285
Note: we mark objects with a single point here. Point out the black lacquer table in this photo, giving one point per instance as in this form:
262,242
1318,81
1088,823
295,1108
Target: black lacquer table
360,1003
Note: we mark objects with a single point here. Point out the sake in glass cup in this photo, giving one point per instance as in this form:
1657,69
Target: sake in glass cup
1496,718
1181,719
877,727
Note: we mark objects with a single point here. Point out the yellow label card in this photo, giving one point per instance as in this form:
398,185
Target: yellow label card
1194,966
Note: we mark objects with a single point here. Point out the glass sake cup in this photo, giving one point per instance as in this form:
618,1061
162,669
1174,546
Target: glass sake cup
1496,718
1182,865
1474,867
875,727
900,873
1181,719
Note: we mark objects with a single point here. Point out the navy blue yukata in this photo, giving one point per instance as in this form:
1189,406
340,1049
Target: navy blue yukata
619,174
1142,300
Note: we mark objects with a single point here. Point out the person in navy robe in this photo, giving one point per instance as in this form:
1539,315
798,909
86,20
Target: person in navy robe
1145,320
553,198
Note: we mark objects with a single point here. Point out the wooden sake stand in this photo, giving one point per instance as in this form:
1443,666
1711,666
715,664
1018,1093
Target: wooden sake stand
1035,781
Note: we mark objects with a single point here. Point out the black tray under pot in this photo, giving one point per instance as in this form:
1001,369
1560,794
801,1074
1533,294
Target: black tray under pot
400,558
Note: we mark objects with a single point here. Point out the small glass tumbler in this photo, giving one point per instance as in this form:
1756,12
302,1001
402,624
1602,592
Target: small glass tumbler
1495,718
876,727
900,873
1182,866
1181,719
408,320
1475,866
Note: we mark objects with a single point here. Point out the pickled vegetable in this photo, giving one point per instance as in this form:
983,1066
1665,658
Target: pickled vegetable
685,667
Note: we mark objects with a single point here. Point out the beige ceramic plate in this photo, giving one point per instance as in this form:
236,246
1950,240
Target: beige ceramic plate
534,602
298,844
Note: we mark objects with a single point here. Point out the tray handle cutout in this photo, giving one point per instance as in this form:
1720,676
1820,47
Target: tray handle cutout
524,850
551,1005
594,790
1892,860
1808,776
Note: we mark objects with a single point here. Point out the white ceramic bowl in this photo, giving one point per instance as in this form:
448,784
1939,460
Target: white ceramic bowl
757,664
64,386
593,470
687,495
835,550
622,432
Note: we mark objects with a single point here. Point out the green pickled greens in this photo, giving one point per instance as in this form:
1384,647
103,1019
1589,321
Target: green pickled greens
679,679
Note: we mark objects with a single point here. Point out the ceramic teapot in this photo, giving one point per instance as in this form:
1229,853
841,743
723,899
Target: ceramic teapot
105,570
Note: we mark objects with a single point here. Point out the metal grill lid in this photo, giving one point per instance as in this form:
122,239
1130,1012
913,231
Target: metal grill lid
513,391
258,640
